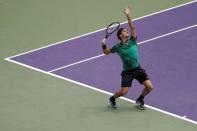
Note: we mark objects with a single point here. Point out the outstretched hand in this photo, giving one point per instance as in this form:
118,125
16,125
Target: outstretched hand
127,10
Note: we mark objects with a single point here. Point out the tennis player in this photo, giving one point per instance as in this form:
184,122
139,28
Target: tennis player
127,49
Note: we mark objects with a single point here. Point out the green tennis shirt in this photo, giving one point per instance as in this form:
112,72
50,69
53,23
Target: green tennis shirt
128,53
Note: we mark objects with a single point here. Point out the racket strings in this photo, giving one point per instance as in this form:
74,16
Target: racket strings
112,28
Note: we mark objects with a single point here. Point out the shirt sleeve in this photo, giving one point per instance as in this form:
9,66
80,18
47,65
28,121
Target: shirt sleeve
113,49
133,38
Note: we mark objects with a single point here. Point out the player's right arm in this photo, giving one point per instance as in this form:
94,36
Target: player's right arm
106,50
130,22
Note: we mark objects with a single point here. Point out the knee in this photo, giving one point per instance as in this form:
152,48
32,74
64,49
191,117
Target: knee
124,91
149,88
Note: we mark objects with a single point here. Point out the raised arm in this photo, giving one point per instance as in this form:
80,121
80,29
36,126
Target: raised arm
106,50
131,25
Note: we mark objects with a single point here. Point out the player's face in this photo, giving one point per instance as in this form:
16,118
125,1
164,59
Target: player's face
124,33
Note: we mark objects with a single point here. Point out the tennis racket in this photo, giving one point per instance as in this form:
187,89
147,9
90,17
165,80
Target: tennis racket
112,28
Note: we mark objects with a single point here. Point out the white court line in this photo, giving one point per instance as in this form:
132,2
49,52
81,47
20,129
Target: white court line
102,91
95,57
75,63
60,42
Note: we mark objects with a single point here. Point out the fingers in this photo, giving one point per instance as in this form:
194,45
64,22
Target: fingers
103,41
127,10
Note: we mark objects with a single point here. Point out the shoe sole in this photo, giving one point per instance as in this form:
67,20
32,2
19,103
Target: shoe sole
141,108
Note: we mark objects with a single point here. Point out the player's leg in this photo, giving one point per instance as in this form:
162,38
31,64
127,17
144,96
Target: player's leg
148,87
125,84
120,93
123,91
142,77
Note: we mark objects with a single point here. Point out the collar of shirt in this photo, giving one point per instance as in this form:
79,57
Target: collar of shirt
125,44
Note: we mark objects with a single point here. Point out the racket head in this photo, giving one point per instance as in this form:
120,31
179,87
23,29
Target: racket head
111,28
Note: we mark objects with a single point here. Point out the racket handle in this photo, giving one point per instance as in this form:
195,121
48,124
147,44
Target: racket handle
106,36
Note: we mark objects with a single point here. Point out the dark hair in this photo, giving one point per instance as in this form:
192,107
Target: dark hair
119,32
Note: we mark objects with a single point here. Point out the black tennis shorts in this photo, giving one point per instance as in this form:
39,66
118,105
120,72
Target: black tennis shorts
137,73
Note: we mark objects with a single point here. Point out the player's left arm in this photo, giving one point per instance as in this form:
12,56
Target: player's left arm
130,22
